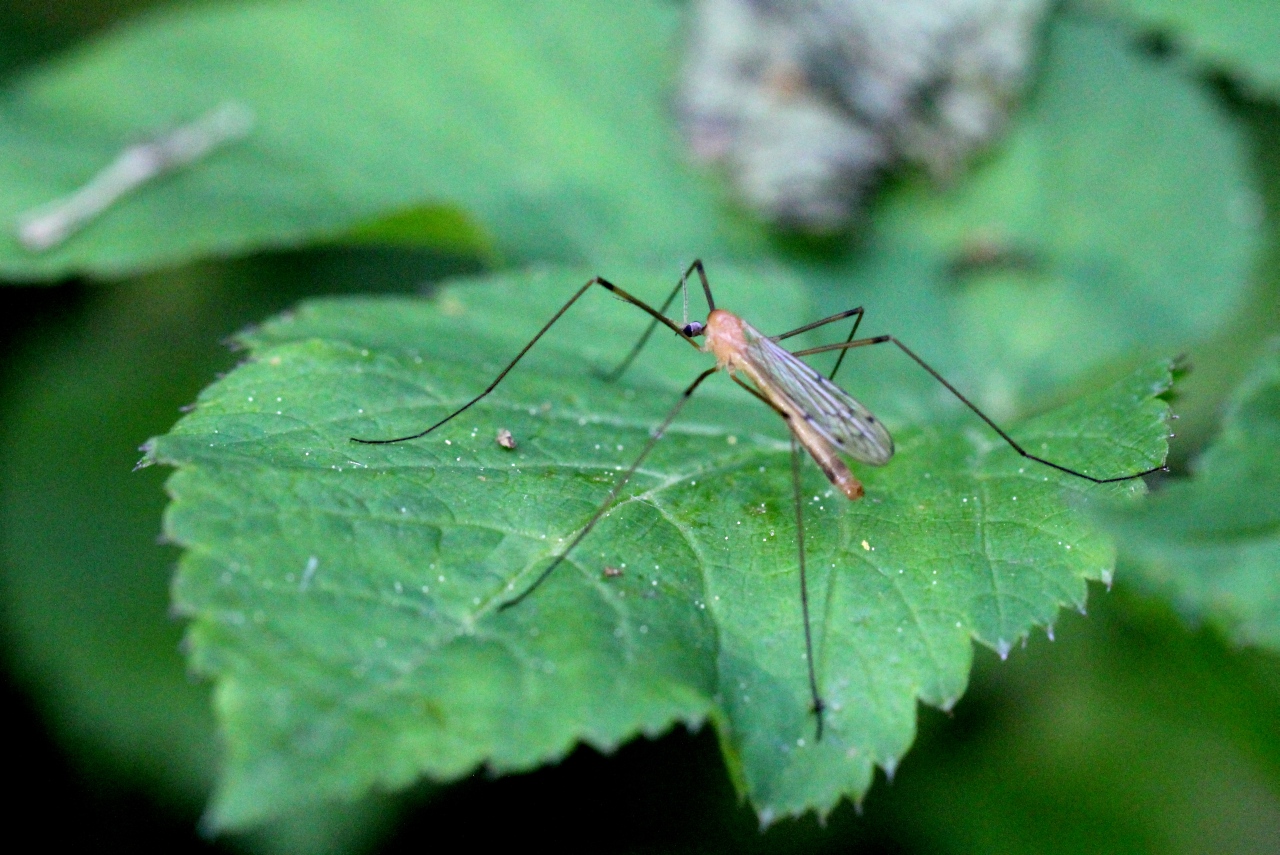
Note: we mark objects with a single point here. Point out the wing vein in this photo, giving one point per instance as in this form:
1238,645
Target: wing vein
835,414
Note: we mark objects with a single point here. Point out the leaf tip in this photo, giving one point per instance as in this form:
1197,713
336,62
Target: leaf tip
148,458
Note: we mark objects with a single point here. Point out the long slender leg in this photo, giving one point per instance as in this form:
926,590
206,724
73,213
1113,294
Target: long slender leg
858,312
644,338
840,359
818,705
603,283
613,494
881,339
847,345
838,316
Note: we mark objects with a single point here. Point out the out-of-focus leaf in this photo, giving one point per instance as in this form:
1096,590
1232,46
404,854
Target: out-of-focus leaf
85,585
345,597
1212,542
1117,219
546,120
420,228
1126,734
29,31
1241,37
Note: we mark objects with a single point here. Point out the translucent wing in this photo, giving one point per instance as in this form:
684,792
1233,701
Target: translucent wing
832,411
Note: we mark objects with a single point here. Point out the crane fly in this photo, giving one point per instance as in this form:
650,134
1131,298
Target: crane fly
823,419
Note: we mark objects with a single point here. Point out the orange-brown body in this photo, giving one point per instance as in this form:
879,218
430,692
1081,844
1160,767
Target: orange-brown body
726,338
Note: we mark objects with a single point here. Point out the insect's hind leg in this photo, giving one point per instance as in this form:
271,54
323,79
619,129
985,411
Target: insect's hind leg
857,315
597,280
881,339
666,304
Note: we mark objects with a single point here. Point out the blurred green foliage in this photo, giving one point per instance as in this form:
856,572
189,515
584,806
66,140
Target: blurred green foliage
1128,734
1240,38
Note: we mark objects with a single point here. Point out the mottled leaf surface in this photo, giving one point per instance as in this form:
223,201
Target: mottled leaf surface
344,597
1212,542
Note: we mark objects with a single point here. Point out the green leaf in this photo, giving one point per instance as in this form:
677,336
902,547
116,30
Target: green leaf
1211,543
90,638
344,597
1241,37
547,120
1119,214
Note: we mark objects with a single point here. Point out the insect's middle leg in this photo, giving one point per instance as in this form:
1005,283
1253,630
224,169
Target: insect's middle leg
856,314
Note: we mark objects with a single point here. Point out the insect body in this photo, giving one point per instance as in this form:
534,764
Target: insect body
822,418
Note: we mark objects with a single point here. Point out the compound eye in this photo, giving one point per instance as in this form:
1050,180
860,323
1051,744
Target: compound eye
692,329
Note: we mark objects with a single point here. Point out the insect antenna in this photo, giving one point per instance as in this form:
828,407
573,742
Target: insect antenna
658,317
613,494
818,706
881,339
